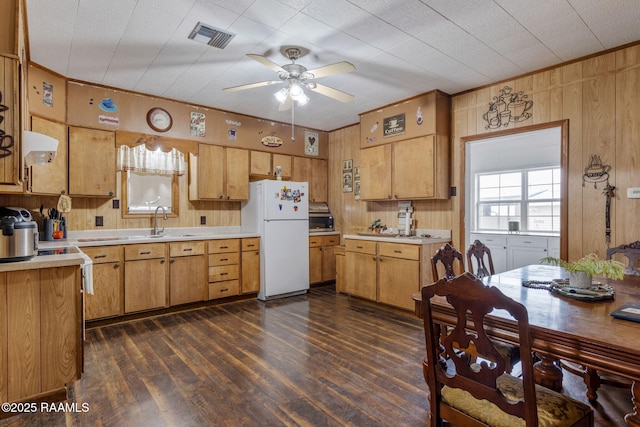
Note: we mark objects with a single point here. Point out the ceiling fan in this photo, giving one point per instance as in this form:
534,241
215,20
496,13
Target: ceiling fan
297,78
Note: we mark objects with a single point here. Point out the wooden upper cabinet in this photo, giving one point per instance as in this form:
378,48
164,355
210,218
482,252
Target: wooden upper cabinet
263,165
315,172
219,173
375,173
10,169
417,168
92,162
50,178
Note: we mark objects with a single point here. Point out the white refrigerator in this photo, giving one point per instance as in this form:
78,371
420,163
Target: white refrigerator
279,212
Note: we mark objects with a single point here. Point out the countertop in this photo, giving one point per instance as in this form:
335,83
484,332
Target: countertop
437,236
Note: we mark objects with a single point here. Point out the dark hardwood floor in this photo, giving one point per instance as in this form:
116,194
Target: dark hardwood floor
321,359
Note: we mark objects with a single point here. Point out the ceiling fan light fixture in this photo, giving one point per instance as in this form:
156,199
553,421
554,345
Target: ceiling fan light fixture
296,91
281,95
302,100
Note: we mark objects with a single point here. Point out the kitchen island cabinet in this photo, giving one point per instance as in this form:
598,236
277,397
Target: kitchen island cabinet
386,269
187,275
40,332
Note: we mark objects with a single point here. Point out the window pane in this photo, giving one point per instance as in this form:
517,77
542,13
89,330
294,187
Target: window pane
495,216
541,191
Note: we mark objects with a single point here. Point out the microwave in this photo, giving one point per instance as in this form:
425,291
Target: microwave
320,219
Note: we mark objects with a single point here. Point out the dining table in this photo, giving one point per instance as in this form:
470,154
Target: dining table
567,327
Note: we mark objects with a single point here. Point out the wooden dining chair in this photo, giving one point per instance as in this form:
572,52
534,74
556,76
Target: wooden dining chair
450,258
480,255
466,391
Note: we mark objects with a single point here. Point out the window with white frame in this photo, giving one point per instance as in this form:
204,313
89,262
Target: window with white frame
529,196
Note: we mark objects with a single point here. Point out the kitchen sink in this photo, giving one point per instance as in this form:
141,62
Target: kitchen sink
102,239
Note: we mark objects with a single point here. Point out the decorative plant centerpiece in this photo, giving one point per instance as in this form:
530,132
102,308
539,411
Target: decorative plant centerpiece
582,271
377,226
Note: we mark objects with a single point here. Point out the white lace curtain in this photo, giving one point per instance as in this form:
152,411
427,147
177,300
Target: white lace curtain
140,159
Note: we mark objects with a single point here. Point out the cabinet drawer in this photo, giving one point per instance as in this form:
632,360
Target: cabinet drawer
251,244
103,254
223,245
223,272
224,259
398,250
330,240
186,248
224,289
315,241
144,251
534,242
361,246
489,239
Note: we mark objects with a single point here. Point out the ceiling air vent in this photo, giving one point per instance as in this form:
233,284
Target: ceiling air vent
208,34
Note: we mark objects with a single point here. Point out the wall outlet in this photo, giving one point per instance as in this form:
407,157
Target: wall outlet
99,221
633,193
115,204
203,220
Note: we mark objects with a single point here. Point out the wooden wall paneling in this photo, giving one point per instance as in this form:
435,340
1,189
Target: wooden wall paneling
572,110
23,322
599,138
60,329
3,337
626,221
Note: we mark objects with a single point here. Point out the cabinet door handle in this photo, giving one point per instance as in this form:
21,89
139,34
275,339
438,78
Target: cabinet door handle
187,249
224,274
162,261
224,259
145,253
397,251
224,290
250,245
100,256
172,261
224,247
358,247
115,267
373,258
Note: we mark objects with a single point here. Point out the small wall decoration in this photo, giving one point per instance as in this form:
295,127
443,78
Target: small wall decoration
311,142
159,119
271,141
393,126
6,141
47,94
108,105
507,108
198,124
347,176
419,118
356,183
597,172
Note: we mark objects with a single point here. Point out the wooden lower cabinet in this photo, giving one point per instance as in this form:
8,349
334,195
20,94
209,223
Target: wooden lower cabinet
40,332
322,261
107,299
339,252
361,263
250,265
224,268
187,277
145,277
389,273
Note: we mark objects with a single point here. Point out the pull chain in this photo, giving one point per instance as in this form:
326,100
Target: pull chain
293,104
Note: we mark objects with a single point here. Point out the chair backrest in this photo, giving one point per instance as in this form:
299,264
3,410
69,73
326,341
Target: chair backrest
479,251
445,365
447,255
632,252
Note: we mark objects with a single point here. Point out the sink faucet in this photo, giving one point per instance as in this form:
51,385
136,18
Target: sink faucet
155,231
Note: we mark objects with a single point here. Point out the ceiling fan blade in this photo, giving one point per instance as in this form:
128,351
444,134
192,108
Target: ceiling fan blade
266,62
251,86
328,70
332,93
286,105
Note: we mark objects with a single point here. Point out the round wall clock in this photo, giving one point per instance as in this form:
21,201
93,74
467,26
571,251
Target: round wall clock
159,119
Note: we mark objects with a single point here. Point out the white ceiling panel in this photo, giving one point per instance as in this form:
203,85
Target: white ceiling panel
400,48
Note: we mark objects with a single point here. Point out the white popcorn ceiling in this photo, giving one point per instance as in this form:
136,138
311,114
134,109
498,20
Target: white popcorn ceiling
400,48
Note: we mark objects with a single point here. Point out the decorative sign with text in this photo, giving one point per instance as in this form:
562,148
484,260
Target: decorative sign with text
393,126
